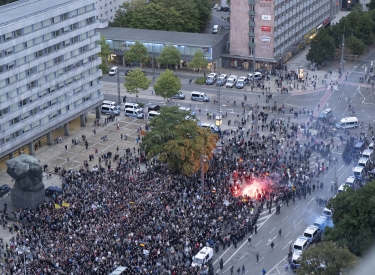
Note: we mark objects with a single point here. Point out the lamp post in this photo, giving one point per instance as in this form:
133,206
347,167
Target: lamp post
25,250
342,52
219,116
203,159
118,89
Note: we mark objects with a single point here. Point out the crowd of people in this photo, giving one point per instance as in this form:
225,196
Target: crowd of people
154,221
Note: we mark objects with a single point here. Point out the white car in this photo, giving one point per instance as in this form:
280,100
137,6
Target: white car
231,81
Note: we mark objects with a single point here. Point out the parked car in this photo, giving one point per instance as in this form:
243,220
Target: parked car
211,78
221,80
4,189
241,82
225,9
231,81
180,95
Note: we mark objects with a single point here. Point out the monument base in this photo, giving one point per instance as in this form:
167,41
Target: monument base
23,199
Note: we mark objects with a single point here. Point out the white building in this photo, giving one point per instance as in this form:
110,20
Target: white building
273,30
48,69
107,8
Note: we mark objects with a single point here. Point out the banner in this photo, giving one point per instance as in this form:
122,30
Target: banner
57,206
65,204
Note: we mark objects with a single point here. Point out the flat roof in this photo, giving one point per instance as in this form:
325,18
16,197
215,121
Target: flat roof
161,37
23,9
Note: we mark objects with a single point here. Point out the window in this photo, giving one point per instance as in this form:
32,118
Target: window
39,40
60,72
35,111
47,36
13,93
59,59
34,97
17,33
30,57
47,22
75,39
26,129
23,102
9,51
53,101
21,75
66,42
51,76
42,93
10,65
28,43
73,13
53,115
56,33
44,106
32,84
90,20
42,80
90,7
65,16
81,10
37,26
19,47
22,89
28,29
57,46
8,36
75,26
32,71
85,60
61,84
56,19
66,29
68,68
61,98
49,49
39,53
83,23
1,68
36,124
50,63
69,80
83,36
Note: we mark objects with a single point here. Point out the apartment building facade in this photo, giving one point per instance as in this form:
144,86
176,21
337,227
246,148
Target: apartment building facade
270,31
48,69
107,8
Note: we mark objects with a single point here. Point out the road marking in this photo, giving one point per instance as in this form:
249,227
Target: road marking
341,167
272,230
287,244
261,259
299,222
243,255
287,234
282,260
265,217
310,201
226,270
295,207
270,240
257,243
285,218
312,208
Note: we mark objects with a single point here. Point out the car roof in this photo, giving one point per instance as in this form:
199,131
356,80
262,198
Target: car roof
4,185
232,76
327,110
212,74
242,78
350,179
107,105
358,168
223,75
300,240
203,252
184,108
311,228
363,160
367,151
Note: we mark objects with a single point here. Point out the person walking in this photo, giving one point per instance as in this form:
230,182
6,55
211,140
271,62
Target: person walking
249,241
243,269
264,271
272,245
280,232
231,270
221,263
286,267
257,256
238,270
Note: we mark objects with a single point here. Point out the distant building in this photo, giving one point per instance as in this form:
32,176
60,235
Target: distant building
271,31
48,69
107,8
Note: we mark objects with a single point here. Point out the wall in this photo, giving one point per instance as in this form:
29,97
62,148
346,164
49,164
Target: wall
264,29
239,28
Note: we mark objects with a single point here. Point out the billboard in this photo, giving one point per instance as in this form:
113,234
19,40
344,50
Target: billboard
266,29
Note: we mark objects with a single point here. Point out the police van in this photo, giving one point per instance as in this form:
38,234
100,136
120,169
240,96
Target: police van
312,233
301,244
367,153
327,213
203,256
152,114
133,113
352,181
359,172
348,123
364,162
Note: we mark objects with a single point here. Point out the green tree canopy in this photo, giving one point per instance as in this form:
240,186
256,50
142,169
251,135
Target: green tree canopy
136,80
371,5
169,56
167,85
170,15
104,53
356,45
353,216
178,142
335,259
137,53
364,28
322,47
198,61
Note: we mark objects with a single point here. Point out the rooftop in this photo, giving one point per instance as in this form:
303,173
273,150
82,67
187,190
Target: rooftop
162,37
23,9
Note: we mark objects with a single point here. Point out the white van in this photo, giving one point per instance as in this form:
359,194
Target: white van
198,96
110,110
108,102
258,76
359,172
203,256
231,81
134,106
113,71
152,114
312,233
327,213
364,162
371,146
347,123
215,29
133,113
367,153
301,244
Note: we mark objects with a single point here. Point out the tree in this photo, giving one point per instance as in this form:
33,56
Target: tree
178,142
364,29
371,5
167,85
322,47
353,217
356,45
137,53
204,11
198,61
136,80
124,14
104,53
169,56
335,259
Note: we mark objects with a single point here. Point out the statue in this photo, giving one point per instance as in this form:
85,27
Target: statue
28,190
27,173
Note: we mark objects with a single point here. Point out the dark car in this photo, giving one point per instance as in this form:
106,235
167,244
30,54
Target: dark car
225,9
4,189
154,108
53,190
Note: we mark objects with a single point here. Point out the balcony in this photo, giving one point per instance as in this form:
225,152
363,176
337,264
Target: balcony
252,13
251,24
251,34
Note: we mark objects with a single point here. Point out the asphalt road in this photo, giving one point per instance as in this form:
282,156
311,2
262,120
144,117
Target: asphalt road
294,219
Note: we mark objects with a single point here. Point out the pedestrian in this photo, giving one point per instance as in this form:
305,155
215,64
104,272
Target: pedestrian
249,241
256,229
243,269
66,147
238,270
280,232
264,271
286,267
257,256
231,270
272,245
221,263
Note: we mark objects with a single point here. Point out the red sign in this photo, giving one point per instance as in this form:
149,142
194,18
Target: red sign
266,28
325,22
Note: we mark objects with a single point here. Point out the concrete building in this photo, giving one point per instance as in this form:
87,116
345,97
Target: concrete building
272,30
48,69
107,8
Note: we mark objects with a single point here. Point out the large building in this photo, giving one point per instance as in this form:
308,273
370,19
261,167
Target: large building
107,8
48,69
273,30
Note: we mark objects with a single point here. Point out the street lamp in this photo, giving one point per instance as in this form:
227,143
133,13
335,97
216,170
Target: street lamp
24,250
219,116
203,159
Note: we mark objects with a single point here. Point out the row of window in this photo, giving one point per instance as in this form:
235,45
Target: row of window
302,4
300,20
16,77
45,23
43,38
300,12
44,120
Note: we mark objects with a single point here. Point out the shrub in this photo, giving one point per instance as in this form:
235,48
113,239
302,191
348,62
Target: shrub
200,80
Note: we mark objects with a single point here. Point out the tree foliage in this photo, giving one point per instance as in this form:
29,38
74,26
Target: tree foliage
137,53
170,15
178,142
198,61
371,5
167,85
353,216
135,81
322,47
335,259
169,56
356,45
104,53
4,2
